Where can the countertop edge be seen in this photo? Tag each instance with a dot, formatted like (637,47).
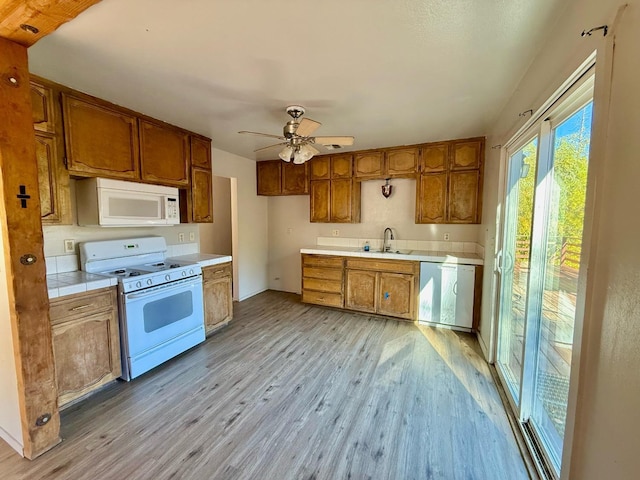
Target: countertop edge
(462,258)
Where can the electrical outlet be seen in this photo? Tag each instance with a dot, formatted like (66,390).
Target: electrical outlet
(335,233)
(181,237)
(446,237)
(69,246)
(192,236)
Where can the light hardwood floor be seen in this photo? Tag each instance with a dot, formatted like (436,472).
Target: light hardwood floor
(292,391)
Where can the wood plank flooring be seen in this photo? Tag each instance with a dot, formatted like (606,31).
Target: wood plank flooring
(292,391)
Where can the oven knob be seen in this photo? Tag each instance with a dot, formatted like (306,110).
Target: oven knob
(184,274)
(138,284)
(149,282)
(167,277)
(191,271)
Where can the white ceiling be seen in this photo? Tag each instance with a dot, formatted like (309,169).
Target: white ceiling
(388,72)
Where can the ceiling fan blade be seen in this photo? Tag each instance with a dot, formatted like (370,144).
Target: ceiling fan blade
(315,151)
(271,146)
(263,134)
(307,127)
(334,140)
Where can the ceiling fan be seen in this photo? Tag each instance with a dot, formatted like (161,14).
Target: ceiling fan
(297,139)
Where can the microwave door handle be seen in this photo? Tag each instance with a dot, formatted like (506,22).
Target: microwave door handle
(134,296)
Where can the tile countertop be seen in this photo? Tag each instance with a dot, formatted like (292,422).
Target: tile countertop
(415,255)
(68,283)
(204,259)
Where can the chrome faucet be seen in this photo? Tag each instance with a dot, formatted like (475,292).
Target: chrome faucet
(386,247)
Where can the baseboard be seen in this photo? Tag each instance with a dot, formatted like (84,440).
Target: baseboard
(253,294)
(13,443)
(483,347)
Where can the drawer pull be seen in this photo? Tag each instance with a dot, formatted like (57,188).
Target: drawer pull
(80,307)
(219,271)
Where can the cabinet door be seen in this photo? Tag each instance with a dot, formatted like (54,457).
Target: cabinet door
(466,154)
(201,193)
(42,104)
(320,200)
(87,354)
(361,288)
(200,152)
(295,179)
(431,198)
(100,140)
(463,196)
(320,168)
(369,164)
(217,303)
(402,161)
(164,154)
(53,182)
(434,157)
(341,198)
(269,177)
(396,296)
(341,166)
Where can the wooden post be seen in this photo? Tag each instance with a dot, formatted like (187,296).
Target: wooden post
(24,256)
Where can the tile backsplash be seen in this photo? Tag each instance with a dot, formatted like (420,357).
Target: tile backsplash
(428,245)
(71,263)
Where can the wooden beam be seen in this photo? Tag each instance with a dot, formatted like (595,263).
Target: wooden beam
(24,256)
(27,21)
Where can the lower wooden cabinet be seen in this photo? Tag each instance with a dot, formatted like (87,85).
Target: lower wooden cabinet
(218,298)
(382,286)
(322,280)
(86,342)
(385,287)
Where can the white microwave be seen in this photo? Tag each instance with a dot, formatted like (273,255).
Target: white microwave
(116,203)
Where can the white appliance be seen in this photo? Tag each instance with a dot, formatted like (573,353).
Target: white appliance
(160,303)
(116,203)
(446,294)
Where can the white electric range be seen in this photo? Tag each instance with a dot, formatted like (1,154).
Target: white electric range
(160,303)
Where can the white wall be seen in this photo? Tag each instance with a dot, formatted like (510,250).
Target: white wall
(217,238)
(251,253)
(397,212)
(10,426)
(604,442)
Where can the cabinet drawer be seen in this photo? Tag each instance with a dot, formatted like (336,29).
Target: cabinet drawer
(383,265)
(322,273)
(322,298)
(82,304)
(323,261)
(216,271)
(334,286)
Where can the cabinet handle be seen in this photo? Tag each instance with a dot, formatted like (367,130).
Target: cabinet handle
(219,271)
(80,307)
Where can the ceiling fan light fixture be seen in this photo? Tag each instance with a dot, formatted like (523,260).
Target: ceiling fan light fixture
(286,153)
(302,154)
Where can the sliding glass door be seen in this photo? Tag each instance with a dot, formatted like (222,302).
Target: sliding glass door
(539,266)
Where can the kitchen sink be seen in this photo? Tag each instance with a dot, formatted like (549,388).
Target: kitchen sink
(402,252)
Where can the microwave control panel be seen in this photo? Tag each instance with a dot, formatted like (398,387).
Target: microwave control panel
(172,209)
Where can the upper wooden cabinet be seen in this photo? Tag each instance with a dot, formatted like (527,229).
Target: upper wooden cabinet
(402,161)
(164,154)
(275,177)
(196,202)
(466,154)
(335,200)
(53,178)
(200,152)
(53,182)
(320,168)
(341,166)
(100,139)
(386,163)
(44,108)
(449,188)
(435,157)
(369,164)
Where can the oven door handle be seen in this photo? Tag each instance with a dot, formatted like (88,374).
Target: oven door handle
(156,291)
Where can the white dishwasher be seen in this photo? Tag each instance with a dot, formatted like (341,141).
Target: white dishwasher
(446,294)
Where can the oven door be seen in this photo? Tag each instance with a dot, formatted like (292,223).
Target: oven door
(158,315)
